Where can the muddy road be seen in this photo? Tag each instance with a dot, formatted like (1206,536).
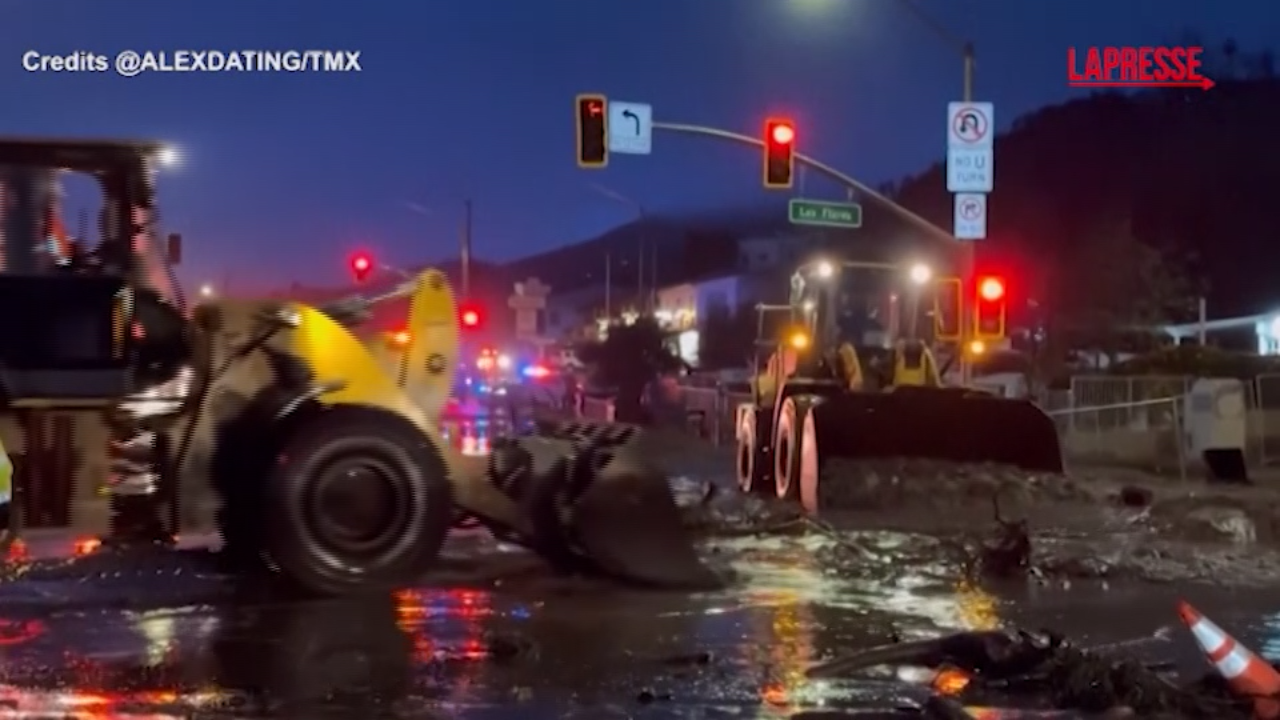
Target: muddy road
(537,647)
(493,635)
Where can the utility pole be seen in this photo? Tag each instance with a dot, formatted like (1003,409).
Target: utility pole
(640,293)
(465,253)
(608,286)
(653,274)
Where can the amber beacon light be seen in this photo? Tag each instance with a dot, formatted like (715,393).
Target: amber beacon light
(592,131)
(779,153)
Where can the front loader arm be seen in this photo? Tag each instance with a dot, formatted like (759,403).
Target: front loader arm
(247,386)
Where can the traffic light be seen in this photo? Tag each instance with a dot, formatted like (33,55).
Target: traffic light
(361,266)
(948,310)
(779,153)
(470,316)
(593,129)
(989,308)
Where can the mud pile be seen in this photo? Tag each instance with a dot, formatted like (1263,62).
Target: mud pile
(898,483)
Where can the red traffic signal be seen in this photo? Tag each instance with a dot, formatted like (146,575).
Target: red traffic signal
(592,127)
(471,317)
(361,266)
(779,153)
(990,308)
(991,289)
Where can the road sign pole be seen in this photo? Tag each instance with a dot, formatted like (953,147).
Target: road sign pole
(970,177)
(968,255)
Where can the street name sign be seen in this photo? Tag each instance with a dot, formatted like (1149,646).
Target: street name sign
(970,147)
(971,216)
(630,128)
(828,214)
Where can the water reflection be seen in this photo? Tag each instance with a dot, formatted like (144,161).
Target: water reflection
(347,653)
(780,644)
(446,631)
(296,657)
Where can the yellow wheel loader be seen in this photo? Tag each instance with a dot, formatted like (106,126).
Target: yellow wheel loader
(820,398)
(329,469)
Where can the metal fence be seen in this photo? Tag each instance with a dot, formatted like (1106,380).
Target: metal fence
(1121,402)
(1264,419)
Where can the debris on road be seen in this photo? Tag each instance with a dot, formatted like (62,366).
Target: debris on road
(1042,670)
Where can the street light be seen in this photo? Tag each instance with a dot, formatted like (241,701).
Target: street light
(206,290)
(920,275)
(169,156)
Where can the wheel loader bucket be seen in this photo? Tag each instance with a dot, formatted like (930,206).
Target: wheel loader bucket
(627,523)
(606,508)
(938,424)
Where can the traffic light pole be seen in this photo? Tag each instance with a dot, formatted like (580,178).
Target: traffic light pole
(968,261)
(968,264)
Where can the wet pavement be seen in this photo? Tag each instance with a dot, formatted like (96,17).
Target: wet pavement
(537,647)
(493,635)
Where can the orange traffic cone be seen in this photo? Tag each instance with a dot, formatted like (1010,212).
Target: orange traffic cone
(1247,674)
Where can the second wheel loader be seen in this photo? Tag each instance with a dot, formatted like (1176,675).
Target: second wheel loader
(822,398)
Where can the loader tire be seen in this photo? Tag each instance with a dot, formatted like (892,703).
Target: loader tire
(753,461)
(811,466)
(786,446)
(244,453)
(358,500)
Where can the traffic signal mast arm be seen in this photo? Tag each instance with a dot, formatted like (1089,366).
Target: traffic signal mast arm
(834,174)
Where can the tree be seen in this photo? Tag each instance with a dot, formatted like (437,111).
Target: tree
(1115,289)
(631,357)
(726,338)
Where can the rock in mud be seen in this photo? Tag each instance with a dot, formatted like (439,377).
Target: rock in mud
(1211,520)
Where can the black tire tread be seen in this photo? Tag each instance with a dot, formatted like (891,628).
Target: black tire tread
(398,440)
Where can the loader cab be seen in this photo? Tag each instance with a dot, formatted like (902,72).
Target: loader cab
(79,349)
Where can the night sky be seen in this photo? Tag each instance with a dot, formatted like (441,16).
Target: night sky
(283,175)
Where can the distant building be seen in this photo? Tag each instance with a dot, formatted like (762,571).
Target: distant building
(681,308)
